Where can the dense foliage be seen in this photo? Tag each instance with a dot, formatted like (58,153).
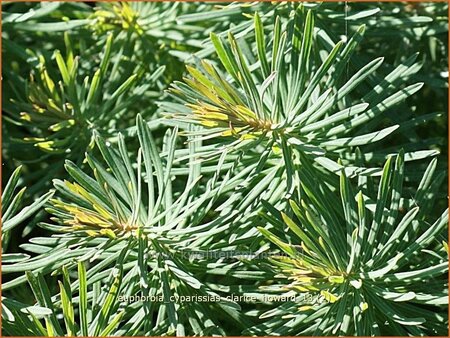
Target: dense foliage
(266,168)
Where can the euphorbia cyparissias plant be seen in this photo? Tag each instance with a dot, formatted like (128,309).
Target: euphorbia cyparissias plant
(276,98)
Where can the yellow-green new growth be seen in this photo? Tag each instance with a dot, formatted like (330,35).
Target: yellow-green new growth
(222,106)
(121,15)
(94,221)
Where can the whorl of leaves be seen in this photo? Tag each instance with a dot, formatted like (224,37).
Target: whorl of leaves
(224,169)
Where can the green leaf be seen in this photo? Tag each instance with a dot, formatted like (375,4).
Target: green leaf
(83,299)
(224,56)
(261,45)
(26,212)
(277,241)
(360,140)
(67,307)
(8,192)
